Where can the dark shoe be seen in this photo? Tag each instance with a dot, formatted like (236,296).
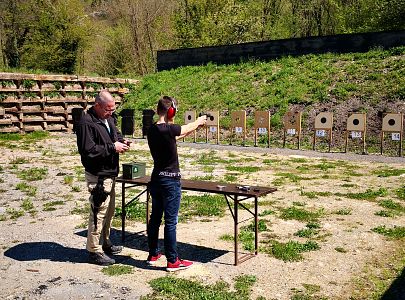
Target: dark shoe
(113,249)
(179,264)
(100,259)
(151,261)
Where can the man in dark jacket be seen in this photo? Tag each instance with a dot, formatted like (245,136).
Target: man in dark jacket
(99,143)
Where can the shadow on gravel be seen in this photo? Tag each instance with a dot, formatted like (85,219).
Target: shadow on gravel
(397,289)
(139,241)
(46,250)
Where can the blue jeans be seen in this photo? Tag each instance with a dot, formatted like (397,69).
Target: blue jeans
(166,195)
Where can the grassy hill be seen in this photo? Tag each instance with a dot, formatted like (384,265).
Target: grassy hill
(371,82)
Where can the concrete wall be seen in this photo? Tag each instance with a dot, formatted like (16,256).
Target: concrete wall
(360,42)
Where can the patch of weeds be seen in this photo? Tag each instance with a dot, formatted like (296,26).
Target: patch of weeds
(27,189)
(297,203)
(207,177)
(82,225)
(310,195)
(51,205)
(343,211)
(400,193)
(27,205)
(33,174)
(298,160)
(243,169)
(271,161)
(391,205)
(68,179)
(396,232)
(14,213)
(170,287)
(226,237)
(116,270)
(267,212)
(76,188)
(300,214)
(18,161)
(369,194)
(324,166)
(310,231)
(135,211)
(389,172)
(230,178)
(208,169)
(349,185)
(202,206)
(210,158)
(387,213)
(290,251)
(3,217)
(340,250)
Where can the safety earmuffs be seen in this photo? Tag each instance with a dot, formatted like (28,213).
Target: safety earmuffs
(171,112)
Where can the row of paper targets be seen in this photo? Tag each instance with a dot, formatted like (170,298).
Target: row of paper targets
(292,121)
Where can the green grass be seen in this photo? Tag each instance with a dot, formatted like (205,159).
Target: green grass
(33,174)
(369,194)
(14,213)
(118,269)
(400,193)
(27,205)
(300,214)
(243,169)
(202,206)
(343,211)
(50,206)
(136,211)
(389,172)
(290,251)
(178,288)
(396,232)
(18,161)
(68,179)
(26,188)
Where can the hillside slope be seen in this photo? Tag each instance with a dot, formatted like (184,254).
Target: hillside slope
(371,82)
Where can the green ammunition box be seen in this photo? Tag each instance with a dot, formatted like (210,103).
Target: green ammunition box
(133,170)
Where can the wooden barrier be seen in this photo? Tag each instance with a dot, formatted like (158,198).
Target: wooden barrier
(30,102)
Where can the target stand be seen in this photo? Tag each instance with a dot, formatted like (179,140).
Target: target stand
(238,125)
(323,128)
(356,127)
(190,117)
(262,125)
(292,126)
(212,125)
(394,124)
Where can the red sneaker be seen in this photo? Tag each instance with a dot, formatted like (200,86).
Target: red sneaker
(153,259)
(179,264)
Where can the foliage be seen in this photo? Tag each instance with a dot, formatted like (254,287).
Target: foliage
(117,270)
(178,288)
(33,174)
(290,251)
(396,232)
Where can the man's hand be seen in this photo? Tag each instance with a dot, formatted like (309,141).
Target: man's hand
(120,147)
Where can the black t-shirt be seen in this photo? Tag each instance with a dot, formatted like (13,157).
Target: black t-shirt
(163,147)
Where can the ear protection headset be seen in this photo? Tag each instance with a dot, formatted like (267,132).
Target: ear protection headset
(171,112)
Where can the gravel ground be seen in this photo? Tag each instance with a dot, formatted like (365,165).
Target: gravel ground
(43,256)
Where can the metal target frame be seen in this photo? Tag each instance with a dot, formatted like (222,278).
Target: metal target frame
(262,120)
(323,121)
(292,121)
(189,117)
(212,122)
(356,122)
(393,123)
(238,120)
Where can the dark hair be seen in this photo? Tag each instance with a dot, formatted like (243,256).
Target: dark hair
(164,104)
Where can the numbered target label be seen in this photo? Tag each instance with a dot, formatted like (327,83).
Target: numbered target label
(396,136)
(291,131)
(262,130)
(356,135)
(320,133)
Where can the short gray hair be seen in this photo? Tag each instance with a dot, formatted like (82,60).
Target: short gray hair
(104,96)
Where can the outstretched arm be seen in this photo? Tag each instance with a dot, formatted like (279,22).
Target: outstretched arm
(190,127)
